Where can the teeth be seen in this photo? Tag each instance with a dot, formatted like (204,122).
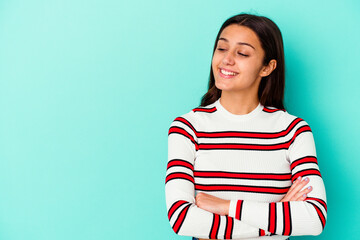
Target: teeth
(227,73)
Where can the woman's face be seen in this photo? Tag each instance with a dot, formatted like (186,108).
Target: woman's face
(238,52)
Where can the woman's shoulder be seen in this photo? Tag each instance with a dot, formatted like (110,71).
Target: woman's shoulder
(208,109)
(284,116)
(195,112)
(194,115)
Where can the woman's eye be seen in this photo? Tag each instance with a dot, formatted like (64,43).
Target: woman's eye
(243,54)
(222,49)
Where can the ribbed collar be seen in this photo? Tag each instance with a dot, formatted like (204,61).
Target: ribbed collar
(238,117)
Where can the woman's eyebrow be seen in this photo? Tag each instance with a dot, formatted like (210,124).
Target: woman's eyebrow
(240,43)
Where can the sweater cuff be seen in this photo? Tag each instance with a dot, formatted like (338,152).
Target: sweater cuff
(257,213)
(235,209)
(232,208)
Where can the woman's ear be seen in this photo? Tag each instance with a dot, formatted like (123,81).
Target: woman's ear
(268,68)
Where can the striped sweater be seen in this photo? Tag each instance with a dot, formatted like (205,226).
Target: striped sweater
(249,159)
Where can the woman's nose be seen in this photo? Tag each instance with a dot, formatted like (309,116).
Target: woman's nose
(228,59)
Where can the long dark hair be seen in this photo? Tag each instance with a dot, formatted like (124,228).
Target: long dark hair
(271,88)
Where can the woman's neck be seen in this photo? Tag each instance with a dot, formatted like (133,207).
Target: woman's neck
(238,104)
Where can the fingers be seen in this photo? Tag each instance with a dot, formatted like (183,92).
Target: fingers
(298,184)
(294,184)
(301,196)
(199,196)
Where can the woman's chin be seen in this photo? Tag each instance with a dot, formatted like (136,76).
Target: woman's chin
(223,86)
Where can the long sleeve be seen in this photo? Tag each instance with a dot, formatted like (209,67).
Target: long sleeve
(185,217)
(292,218)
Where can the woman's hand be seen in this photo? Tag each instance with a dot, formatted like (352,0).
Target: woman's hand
(212,204)
(221,206)
(294,193)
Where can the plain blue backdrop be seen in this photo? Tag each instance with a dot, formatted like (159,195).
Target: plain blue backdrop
(88,90)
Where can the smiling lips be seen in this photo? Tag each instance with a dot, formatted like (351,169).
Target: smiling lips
(225,73)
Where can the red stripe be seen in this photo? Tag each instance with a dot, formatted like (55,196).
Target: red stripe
(286,218)
(240,134)
(229,227)
(241,188)
(322,202)
(273,110)
(213,109)
(180,176)
(186,122)
(249,134)
(304,173)
(238,209)
(183,132)
(308,159)
(215,226)
(174,207)
(272,218)
(180,163)
(298,131)
(180,219)
(242,175)
(278,146)
(262,232)
(320,214)
(244,146)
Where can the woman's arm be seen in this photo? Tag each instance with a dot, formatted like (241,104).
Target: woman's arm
(185,217)
(291,217)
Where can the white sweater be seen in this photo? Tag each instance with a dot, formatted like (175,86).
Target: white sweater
(250,159)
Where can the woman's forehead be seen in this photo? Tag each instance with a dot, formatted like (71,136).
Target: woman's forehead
(241,35)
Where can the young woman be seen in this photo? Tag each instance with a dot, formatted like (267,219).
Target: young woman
(238,164)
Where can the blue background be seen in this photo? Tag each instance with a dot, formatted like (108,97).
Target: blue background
(88,90)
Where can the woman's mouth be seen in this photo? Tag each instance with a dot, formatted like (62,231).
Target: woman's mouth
(226,73)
